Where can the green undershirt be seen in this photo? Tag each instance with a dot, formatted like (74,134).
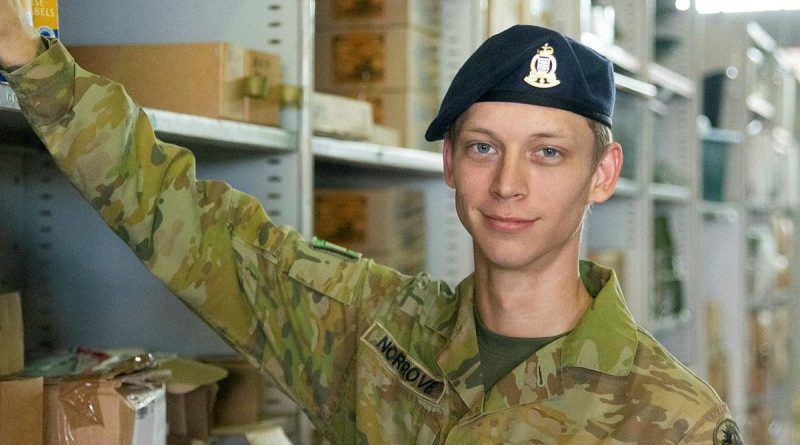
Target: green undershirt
(501,354)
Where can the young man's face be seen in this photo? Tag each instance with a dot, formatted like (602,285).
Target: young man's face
(523,177)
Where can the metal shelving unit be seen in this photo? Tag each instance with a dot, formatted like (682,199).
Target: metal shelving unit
(762,193)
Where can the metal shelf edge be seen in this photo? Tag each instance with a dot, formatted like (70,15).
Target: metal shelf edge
(671,80)
(670,192)
(221,132)
(634,86)
(615,54)
(369,154)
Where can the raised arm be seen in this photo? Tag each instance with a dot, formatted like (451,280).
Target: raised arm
(293,308)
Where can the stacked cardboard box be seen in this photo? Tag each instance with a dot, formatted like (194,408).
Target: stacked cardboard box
(385,52)
(386,225)
(218,80)
(22,396)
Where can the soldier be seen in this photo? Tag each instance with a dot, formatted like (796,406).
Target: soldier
(533,347)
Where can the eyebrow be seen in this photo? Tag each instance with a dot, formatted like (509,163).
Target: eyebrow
(540,134)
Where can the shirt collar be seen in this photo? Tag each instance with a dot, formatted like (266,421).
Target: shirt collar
(605,338)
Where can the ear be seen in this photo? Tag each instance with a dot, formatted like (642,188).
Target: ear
(604,179)
(447,159)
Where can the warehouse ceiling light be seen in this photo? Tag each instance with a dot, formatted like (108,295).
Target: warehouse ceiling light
(714,6)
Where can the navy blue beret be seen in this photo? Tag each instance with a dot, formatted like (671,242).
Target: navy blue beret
(531,65)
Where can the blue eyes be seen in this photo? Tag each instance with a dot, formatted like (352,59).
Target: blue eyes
(483,148)
(549,152)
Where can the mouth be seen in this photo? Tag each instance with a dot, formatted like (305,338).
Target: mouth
(508,224)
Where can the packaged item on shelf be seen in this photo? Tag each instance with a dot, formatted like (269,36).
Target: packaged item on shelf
(341,117)
(240,393)
(21,405)
(204,79)
(420,14)
(409,112)
(12,352)
(761,349)
(44,14)
(261,88)
(783,232)
(667,278)
(717,355)
(383,135)
(376,57)
(191,394)
(383,224)
(122,406)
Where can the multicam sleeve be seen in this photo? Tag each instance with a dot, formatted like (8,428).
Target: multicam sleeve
(716,427)
(289,308)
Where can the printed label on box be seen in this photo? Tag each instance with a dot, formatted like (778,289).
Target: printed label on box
(359,57)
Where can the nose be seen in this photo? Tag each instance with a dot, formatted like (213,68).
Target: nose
(510,180)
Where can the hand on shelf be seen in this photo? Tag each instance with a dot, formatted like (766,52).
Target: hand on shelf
(18,40)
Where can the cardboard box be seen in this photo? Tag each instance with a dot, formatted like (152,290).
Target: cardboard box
(191,394)
(12,352)
(21,405)
(406,111)
(200,79)
(240,394)
(386,225)
(424,15)
(341,117)
(189,414)
(94,410)
(375,57)
(205,79)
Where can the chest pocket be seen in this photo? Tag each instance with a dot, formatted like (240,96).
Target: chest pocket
(326,272)
(399,400)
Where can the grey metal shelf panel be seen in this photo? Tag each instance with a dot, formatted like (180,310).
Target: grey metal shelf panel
(615,54)
(375,155)
(720,211)
(632,85)
(708,133)
(672,81)
(230,134)
(760,106)
(670,193)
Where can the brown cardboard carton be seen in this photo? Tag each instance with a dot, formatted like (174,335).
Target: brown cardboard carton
(21,411)
(94,410)
(263,70)
(420,14)
(12,351)
(240,394)
(203,79)
(189,414)
(191,394)
(376,57)
(386,225)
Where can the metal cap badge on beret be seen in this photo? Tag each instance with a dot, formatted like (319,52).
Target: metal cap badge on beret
(531,65)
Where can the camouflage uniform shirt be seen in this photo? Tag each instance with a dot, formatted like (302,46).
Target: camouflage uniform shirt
(372,356)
